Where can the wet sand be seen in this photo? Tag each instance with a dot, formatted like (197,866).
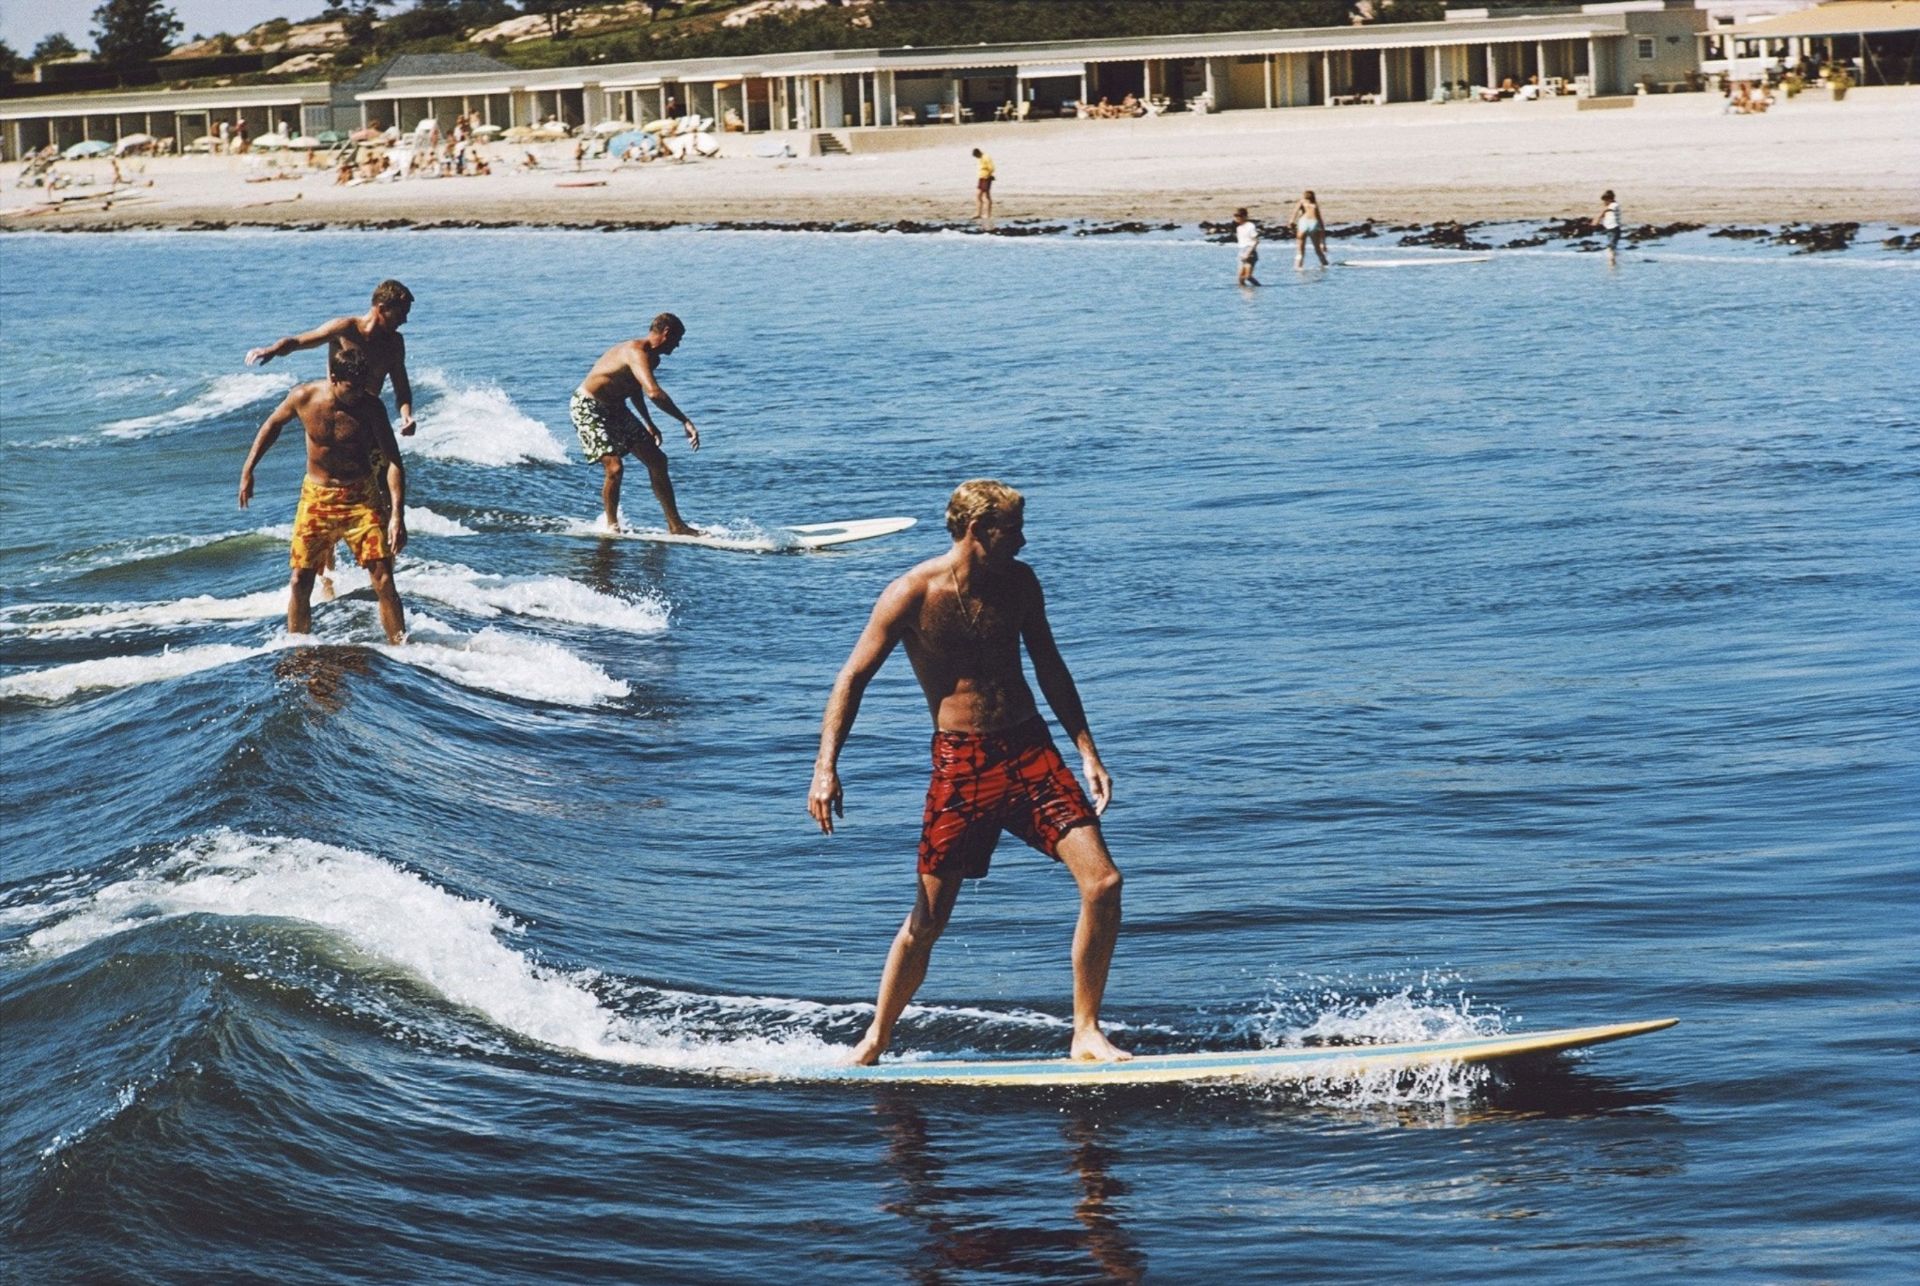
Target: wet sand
(1671,158)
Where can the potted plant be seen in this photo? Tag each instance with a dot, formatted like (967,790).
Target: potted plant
(1793,82)
(1840,82)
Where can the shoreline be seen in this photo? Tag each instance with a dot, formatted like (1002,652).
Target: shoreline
(1673,159)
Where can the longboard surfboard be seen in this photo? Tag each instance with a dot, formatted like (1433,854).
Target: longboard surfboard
(813,535)
(1422,262)
(1307,1063)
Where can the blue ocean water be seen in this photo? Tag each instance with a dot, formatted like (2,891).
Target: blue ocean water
(1477,648)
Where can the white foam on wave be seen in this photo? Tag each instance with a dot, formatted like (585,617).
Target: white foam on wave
(220,395)
(509,665)
(59,682)
(459,947)
(553,598)
(478,423)
(1431,1008)
(425,522)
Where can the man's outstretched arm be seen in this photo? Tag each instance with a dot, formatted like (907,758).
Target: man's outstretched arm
(396,481)
(294,343)
(269,434)
(643,372)
(884,629)
(402,386)
(1056,684)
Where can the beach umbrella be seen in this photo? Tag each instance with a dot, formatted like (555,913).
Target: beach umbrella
(612,127)
(269,143)
(88,147)
(132,142)
(303,143)
(617,145)
(333,138)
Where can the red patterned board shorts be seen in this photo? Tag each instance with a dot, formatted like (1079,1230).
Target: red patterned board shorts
(356,513)
(987,782)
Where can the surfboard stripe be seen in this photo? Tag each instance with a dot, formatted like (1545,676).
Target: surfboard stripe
(1295,1063)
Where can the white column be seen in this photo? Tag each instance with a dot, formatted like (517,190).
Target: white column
(1326,79)
(1267,71)
(1386,85)
(1083,86)
(1493,79)
(1593,65)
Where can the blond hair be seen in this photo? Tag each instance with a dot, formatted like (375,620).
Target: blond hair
(980,500)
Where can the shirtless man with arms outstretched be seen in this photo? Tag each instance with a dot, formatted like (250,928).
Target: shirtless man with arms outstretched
(963,617)
(340,499)
(375,333)
(608,430)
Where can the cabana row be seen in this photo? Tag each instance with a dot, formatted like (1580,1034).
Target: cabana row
(183,114)
(1596,48)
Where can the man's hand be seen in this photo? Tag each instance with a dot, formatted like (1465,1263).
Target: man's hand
(397,532)
(1098,782)
(259,356)
(825,800)
(406,425)
(693,434)
(246,487)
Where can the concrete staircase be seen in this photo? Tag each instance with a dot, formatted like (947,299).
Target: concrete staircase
(827,143)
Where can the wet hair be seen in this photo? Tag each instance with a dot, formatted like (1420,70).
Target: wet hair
(392,294)
(1607,195)
(1308,194)
(1241,213)
(976,151)
(981,500)
(669,325)
(348,366)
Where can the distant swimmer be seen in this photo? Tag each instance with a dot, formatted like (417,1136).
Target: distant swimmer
(1246,235)
(1608,221)
(1308,225)
(963,617)
(376,333)
(340,498)
(983,189)
(608,430)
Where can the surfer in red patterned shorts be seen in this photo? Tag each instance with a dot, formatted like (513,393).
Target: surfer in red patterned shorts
(339,499)
(963,617)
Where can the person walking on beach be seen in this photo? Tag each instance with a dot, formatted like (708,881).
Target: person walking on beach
(1308,224)
(1246,234)
(983,189)
(608,430)
(963,617)
(1609,224)
(346,427)
(376,333)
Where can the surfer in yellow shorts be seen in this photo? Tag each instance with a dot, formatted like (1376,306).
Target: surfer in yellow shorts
(340,498)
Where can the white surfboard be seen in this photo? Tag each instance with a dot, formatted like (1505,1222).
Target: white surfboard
(1307,1063)
(1424,261)
(815,535)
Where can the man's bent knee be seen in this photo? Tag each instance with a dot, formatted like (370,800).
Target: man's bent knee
(380,572)
(614,466)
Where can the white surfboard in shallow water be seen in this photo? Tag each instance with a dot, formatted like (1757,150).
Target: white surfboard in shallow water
(1315,1062)
(751,540)
(1432,261)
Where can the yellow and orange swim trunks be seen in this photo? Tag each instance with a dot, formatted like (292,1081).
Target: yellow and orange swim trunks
(355,513)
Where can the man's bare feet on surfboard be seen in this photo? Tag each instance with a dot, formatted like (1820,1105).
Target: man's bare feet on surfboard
(1092,1046)
(867,1052)
(684,529)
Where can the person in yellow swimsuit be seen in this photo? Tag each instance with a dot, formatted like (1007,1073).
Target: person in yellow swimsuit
(340,498)
(983,190)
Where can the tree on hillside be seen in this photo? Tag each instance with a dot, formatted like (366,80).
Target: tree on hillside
(54,45)
(10,62)
(129,34)
(556,12)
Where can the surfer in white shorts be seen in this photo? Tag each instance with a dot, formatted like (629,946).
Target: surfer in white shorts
(1308,224)
(608,430)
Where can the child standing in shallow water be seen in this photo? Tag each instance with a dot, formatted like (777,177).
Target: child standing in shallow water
(1246,234)
(1308,223)
(1609,225)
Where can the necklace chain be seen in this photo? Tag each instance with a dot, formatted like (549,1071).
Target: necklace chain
(970,614)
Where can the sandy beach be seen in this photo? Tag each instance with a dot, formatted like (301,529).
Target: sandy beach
(1672,158)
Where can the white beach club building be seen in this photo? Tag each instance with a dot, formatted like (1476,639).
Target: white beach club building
(1594,49)
(183,115)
